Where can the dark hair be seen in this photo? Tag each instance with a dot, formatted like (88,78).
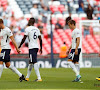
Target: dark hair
(64,42)
(67,19)
(31,21)
(72,22)
(1,21)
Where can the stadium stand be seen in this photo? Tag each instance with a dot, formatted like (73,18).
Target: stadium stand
(60,10)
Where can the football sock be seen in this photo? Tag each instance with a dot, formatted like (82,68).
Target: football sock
(15,70)
(1,69)
(36,68)
(77,67)
(73,67)
(29,70)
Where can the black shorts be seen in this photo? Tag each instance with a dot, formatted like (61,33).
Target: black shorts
(33,55)
(74,57)
(5,55)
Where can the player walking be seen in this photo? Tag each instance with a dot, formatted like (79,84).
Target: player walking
(33,34)
(5,34)
(73,57)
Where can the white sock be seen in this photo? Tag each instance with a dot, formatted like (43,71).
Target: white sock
(1,69)
(15,70)
(77,67)
(72,65)
(36,68)
(29,70)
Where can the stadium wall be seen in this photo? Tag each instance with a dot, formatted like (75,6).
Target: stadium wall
(89,61)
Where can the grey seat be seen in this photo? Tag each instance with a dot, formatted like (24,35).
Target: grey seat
(25,5)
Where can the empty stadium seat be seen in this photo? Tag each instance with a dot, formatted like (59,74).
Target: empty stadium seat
(54,20)
(92,43)
(25,5)
(53,8)
(24,50)
(61,8)
(86,46)
(97,39)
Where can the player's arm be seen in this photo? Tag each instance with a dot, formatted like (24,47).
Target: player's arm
(40,39)
(14,43)
(23,40)
(77,44)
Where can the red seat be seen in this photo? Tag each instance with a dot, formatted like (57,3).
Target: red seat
(97,39)
(47,47)
(59,41)
(24,50)
(54,20)
(86,46)
(12,51)
(61,8)
(22,33)
(44,52)
(76,19)
(54,8)
(55,47)
(92,43)
(45,33)
(62,22)
(83,50)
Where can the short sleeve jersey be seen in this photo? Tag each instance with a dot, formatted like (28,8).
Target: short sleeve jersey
(32,33)
(76,33)
(5,40)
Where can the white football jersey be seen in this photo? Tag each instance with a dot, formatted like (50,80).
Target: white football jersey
(4,35)
(32,32)
(76,33)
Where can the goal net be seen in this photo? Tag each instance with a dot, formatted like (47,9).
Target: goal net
(90,41)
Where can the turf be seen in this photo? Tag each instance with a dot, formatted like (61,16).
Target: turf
(52,79)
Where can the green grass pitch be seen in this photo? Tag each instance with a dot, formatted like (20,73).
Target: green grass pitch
(53,79)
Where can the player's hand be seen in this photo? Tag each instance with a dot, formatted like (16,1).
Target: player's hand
(18,51)
(40,51)
(76,52)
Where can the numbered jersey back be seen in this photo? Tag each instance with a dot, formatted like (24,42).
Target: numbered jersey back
(32,33)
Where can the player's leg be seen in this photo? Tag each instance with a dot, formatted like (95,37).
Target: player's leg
(30,66)
(1,61)
(33,57)
(70,62)
(76,62)
(77,66)
(8,65)
(11,67)
(1,68)
(78,69)
(72,65)
(36,68)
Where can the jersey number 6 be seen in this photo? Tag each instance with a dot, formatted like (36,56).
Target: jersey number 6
(35,36)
